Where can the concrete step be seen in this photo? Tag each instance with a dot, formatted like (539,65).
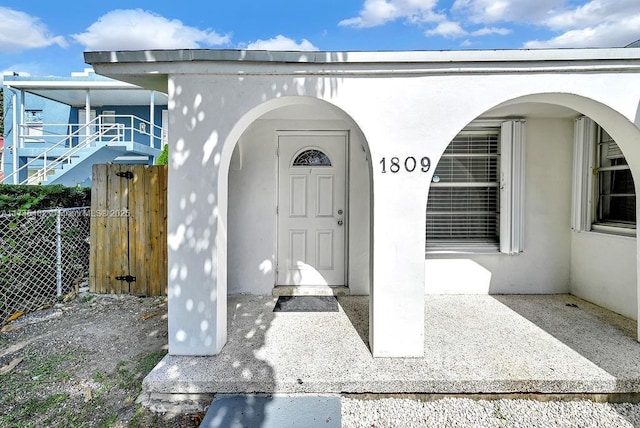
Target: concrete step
(274,411)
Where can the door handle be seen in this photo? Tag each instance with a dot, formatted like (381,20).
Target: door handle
(340,222)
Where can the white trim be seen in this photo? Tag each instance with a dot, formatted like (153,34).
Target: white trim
(609,235)
(347,140)
(68,84)
(614,230)
(152,120)
(512,189)
(583,157)
(394,59)
(584,187)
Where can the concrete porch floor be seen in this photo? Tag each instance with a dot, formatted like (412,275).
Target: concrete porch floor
(549,344)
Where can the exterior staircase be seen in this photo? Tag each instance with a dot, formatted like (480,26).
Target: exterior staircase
(70,159)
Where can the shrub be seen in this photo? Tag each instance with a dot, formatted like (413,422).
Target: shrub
(31,198)
(163,159)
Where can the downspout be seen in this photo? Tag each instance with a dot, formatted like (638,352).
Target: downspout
(152,107)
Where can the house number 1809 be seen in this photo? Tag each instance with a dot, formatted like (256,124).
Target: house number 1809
(410,164)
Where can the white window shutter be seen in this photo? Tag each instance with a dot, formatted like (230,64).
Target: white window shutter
(583,158)
(512,191)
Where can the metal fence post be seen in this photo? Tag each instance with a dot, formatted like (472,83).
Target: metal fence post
(58,255)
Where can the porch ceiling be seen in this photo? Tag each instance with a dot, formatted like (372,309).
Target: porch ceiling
(73,93)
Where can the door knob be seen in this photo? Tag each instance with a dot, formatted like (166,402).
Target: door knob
(340,222)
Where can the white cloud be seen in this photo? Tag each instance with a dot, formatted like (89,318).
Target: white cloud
(447,29)
(571,23)
(581,23)
(596,23)
(379,12)
(593,13)
(492,30)
(453,30)
(135,29)
(20,31)
(608,34)
(489,11)
(282,43)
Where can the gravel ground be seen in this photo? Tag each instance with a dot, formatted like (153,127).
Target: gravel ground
(81,364)
(463,412)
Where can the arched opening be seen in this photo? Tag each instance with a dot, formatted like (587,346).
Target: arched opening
(252,181)
(553,207)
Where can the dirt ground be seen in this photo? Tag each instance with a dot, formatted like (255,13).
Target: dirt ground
(81,364)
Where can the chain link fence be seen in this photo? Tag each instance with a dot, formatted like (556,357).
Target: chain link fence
(43,255)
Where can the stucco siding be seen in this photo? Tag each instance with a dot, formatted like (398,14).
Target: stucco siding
(603,271)
(252,204)
(544,265)
(401,113)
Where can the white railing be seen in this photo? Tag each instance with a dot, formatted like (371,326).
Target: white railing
(100,131)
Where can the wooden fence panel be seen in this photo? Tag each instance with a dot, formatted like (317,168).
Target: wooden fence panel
(129,229)
(97,231)
(138,232)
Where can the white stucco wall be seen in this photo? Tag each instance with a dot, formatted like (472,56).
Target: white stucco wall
(212,108)
(544,265)
(252,201)
(603,271)
(404,107)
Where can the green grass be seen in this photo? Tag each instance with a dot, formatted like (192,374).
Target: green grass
(20,392)
(86,299)
(31,408)
(109,421)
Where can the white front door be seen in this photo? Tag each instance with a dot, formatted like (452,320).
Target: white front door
(311,208)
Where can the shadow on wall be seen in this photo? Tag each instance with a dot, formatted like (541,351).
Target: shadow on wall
(204,126)
(197,231)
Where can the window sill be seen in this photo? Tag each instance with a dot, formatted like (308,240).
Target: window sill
(613,229)
(462,248)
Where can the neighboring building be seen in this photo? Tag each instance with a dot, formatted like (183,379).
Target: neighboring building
(51,139)
(394,175)
(1,158)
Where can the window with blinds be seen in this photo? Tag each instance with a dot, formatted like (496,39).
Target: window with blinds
(604,195)
(616,195)
(463,206)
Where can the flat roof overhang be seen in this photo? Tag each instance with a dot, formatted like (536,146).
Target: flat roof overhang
(102,92)
(151,68)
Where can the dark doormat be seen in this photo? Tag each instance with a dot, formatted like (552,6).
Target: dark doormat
(306,304)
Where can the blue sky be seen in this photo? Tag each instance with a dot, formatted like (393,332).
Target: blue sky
(48,38)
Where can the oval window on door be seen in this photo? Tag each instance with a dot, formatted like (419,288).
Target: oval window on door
(311,157)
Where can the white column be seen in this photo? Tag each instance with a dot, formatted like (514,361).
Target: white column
(16,131)
(196,231)
(87,116)
(397,298)
(21,117)
(152,103)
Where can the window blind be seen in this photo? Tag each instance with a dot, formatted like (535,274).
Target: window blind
(464,197)
(476,198)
